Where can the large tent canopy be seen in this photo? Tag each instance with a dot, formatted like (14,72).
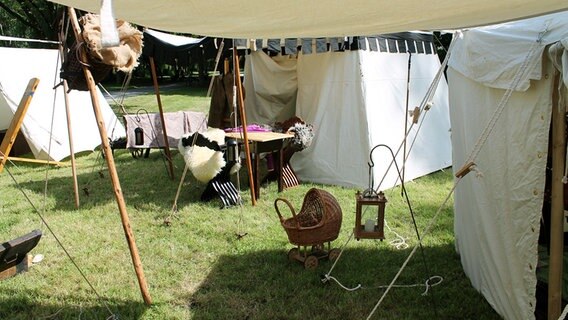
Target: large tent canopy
(298,18)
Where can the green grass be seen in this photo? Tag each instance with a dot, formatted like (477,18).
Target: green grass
(174,99)
(197,268)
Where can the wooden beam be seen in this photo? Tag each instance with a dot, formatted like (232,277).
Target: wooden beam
(556,254)
(111,167)
(241,103)
(16,123)
(55,163)
(163,120)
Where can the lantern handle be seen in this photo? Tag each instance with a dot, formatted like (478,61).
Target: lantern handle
(370,192)
(138,114)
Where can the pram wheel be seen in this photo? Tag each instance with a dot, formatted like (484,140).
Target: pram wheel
(293,254)
(333,254)
(311,262)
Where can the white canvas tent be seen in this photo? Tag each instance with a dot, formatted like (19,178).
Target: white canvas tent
(17,67)
(497,215)
(356,99)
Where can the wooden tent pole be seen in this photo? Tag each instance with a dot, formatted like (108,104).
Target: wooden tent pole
(406,117)
(71,148)
(68,115)
(166,142)
(111,167)
(557,207)
(16,122)
(243,117)
(217,58)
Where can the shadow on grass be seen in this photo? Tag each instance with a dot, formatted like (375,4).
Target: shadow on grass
(18,304)
(265,285)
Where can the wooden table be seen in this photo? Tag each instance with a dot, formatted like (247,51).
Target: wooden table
(262,142)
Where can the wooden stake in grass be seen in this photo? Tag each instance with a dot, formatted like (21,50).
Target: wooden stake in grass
(163,120)
(241,104)
(68,115)
(111,167)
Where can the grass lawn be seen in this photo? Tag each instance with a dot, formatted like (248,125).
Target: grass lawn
(196,267)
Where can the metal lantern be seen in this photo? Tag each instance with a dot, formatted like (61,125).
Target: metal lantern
(232,150)
(370,229)
(139,136)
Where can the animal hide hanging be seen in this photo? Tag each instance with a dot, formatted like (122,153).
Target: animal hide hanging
(205,159)
(123,57)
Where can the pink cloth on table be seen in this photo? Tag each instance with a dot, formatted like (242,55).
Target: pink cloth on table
(250,128)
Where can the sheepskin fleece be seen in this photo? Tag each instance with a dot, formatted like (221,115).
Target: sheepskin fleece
(204,163)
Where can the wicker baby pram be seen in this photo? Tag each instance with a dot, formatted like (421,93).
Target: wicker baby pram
(317,223)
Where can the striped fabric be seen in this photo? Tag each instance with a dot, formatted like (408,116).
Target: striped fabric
(289,178)
(403,42)
(227,192)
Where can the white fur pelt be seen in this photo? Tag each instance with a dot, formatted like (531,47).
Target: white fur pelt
(204,163)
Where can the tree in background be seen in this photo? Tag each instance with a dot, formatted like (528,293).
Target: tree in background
(35,19)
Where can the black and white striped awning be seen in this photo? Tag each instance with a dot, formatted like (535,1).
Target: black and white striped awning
(404,42)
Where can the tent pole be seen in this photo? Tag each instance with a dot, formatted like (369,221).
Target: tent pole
(243,117)
(68,115)
(166,142)
(406,116)
(557,206)
(16,123)
(217,58)
(111,167)
(71,149)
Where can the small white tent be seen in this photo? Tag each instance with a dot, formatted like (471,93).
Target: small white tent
(356,99)
(497,213)
(17,67)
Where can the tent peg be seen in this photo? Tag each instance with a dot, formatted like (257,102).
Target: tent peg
(465,169)
(415,114)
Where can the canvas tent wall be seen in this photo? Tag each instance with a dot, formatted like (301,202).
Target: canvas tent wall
(497,214)
(17,67)
(356,99)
